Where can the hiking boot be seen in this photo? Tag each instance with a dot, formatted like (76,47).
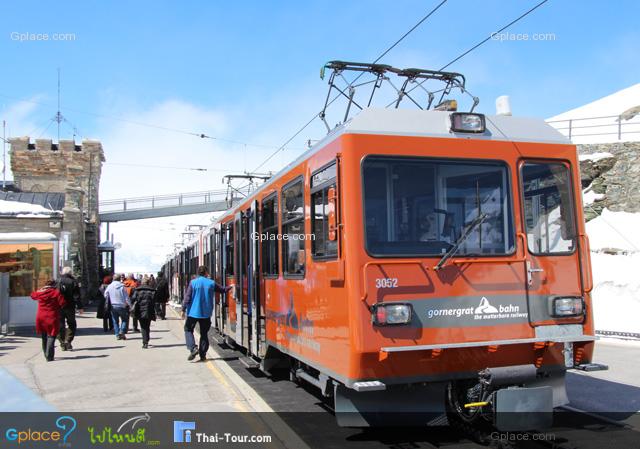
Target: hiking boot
(145,346)
(203,358)
(63,346)
(69,347)
(193,354)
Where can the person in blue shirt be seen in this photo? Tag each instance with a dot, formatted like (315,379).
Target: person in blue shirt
(197,307)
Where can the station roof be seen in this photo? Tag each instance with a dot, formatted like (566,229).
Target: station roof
(48,200)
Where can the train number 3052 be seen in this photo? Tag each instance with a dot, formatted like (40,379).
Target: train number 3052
(386,282)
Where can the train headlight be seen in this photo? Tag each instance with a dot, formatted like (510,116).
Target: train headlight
(393,313)
(567,306)
(465,122)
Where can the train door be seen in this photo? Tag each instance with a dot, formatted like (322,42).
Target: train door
(224,263)
(253,278)
(552,264)
(239,274)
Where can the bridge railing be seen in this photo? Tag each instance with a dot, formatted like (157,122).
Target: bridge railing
(162,201)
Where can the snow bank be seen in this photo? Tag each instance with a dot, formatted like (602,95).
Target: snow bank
(616,293)
(615,230)
(597,122)
(25,209)
(616,277)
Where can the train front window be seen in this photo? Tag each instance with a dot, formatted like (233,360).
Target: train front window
(420,207)
(548,209)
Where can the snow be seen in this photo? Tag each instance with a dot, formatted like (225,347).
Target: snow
(600,119)
(595,157)
(26,236)
(25,209)
(615,230)
(616,293)
(590,197)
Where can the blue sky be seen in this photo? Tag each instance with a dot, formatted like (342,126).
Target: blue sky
(249,70)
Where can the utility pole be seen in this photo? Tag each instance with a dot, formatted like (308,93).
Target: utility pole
(58,117)
(4,155)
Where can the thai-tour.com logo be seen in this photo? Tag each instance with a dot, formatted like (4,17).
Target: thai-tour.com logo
(130,431)
(58,434)
(182,431)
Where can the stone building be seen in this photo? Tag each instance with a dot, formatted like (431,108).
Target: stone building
(74,171)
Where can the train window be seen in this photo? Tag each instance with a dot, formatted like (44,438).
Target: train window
(423,207)
(548,208)
(321,246)
(270,241)
(293,237)
(228,248)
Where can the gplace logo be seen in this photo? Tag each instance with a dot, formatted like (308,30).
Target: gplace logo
(182,431)
(66,424)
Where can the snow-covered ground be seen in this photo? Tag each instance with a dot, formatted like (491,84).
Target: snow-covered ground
(616,277)
(600,121)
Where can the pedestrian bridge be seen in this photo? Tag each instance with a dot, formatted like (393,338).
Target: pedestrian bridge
(168,205)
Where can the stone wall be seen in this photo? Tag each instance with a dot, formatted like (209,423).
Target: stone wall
(75,171)
(617,178)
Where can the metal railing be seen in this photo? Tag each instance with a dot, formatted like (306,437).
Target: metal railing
(163,201)
(609,125)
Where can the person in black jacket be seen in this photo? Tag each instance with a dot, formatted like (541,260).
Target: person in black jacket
(103,310)
(162,295)
(70,289)
(144,309)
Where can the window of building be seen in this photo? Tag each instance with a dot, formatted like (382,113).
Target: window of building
(321,182)
(270,232)
(30,266)
(548,208)
(293,253)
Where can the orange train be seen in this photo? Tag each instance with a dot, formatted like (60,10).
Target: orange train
(415,261)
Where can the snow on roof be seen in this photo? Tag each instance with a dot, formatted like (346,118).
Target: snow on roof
(25,209)
(27,236)
(600,121)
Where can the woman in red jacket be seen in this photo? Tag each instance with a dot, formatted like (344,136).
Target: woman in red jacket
(50,303)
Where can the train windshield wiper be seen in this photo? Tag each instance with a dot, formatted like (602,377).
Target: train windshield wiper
(465,234)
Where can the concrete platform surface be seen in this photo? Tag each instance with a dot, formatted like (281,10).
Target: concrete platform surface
(102,373)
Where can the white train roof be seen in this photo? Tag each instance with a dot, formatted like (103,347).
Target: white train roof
(435,124)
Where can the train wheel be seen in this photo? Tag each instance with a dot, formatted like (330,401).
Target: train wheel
(467,420)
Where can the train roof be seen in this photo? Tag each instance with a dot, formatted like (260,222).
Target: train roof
(422,123)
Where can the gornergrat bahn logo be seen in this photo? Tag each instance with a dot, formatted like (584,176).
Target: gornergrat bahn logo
(467,311)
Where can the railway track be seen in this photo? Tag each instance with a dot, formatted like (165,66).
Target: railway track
(305,411)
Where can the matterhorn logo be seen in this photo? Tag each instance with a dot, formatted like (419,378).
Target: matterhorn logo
(485,307)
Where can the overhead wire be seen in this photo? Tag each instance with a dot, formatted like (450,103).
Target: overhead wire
(420,22)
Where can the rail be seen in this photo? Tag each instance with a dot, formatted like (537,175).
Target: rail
(604,126)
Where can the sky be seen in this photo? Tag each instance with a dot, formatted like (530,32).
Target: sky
(249,72)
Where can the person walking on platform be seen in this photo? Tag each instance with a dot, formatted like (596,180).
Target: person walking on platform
(144,309)
(50,305)
(197,306)
(152,281)
(130,284)
(119,303)
(104,310)
(162,296)
(69,287)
